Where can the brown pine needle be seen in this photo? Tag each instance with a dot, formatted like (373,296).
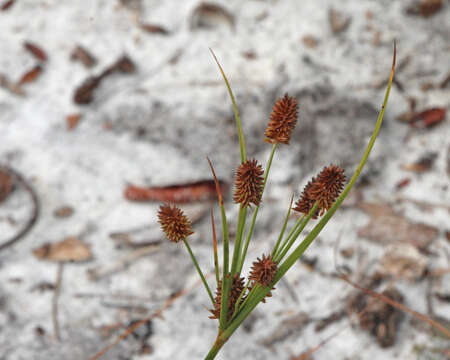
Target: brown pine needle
(219,191)
(216,258)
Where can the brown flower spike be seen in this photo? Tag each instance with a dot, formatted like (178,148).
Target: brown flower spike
(174,223)
(327,186)
(248,185)
(263,270)
(237,287)
(282,120)
(305,203)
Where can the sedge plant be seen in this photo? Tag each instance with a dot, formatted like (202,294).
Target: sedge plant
(235,296)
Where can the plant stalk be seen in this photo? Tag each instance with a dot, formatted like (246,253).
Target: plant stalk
(194,260)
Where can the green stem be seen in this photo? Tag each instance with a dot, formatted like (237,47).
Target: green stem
(288,237)
(236,111)
(216,258)
(226,285)
(277,244)
(238,241)
(255,213)
(215,348)
(194,260)
(296,234)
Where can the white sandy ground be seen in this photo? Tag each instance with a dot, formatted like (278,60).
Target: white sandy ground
(186,115)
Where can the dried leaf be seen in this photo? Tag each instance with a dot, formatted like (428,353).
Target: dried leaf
(208,15)
(84,94)
(386,227)
(423,164)
(72,121)
(338,21)
(428,118)
(70,249)
(179,193)
(13,87)
(7,4)
(36,51)
(84,56)
(6,185)
(402,261)
(250,55)
(155,29)
(310,41)
(30,75)
(63,211)
(348,252)
(124,65)
(425,8)
(403,183)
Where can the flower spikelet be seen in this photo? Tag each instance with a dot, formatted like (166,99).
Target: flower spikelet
(282,120)
(305,203)
(327,186)
(174,223)
(248,185)
(237,287)
(263,270)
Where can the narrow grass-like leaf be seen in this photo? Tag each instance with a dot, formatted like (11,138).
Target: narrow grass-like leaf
(216,257)
(236,111)
(194,260)
(296,234)
(226,280)
(283,229)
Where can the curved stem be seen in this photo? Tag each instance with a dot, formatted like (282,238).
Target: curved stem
(283,229)
(194,260)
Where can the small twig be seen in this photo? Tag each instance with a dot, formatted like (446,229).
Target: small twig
(121,264)
(56,293)
(136,325)
(35,210)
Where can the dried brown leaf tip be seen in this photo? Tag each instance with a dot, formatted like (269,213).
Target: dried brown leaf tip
(237,287)
(248,185)
(327,186)
(263,270)
(282,120)
(305,203)
(174,223)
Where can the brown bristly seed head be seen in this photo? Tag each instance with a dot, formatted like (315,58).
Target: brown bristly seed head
(282,120)
(248,184)
(237,287)
(174,223)
(327,186)
(263,270)
(305,203)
